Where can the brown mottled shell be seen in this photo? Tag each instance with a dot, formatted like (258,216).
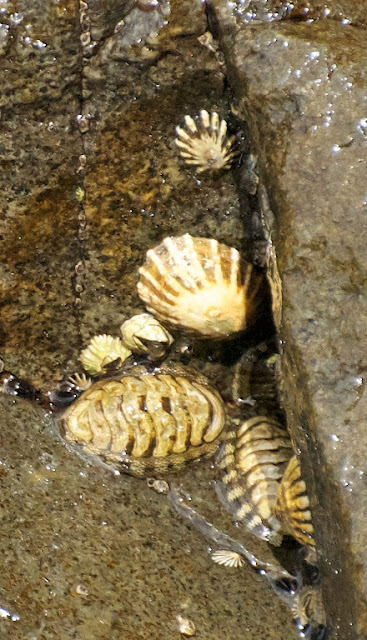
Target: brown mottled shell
(201,286)
(292,506)
(252,461)
(147,422)
(308,608)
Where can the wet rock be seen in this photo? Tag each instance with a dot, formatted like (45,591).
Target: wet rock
(302,88)
(89,555)
(40,55)
(262,11)
(91,180)
(40,144)
(137,191)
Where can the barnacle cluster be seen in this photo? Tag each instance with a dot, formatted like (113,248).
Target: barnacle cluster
(140,334)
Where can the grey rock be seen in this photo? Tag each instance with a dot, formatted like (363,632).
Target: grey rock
(302,89)
(90,180)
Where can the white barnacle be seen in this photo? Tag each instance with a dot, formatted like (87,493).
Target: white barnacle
(205,143)
(144,334)
(102,350)
(80,381)
(185,626)
(227,558)
(160,486)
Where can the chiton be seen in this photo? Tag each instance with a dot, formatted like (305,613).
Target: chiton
(147,421)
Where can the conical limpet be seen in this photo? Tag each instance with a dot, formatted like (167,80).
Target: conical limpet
(201,286)
(204,142)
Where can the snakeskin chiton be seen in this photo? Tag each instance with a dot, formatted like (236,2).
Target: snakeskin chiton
(147,421)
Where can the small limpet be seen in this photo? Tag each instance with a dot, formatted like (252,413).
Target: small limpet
(205,142)
(144,334)
(227,558)
(102,350)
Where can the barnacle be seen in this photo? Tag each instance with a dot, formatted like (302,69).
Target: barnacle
(308,608)
(200,285)
(80,381)
(144,334)
(102,350)
(185,626)
(205,142)
(160,486)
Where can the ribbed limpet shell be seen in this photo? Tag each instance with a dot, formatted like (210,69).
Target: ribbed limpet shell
(201,286)
(147,422)
(204,142)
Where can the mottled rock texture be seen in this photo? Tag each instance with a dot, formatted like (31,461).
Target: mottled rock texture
(39,97)
(90,180)
(302,88)
(89,555)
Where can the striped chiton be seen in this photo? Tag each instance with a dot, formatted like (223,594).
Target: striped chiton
(292,507)
(147,421)
(251,463)
(260,482)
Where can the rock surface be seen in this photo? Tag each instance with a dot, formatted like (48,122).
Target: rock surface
(302,88)
(89,555)
(90,180)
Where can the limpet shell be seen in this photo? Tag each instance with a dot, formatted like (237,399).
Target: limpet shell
(101,351)
(227,558)
(201,286)
(147,422)
(144,334)
(308,608)
(205,142)
(251,463)
(292,506)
